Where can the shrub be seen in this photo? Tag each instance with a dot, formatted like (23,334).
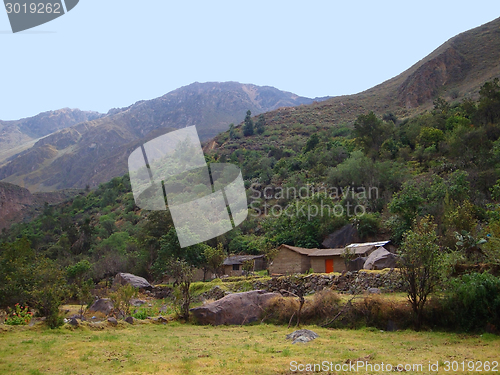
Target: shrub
(474,301)
(18,315)
(121,298)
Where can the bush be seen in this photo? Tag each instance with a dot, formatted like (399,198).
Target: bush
(474,302)
(121,299)
(18,315)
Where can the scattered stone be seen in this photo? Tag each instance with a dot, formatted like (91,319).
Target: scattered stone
(159,320)
(236,308)
(136,281)
(162,292)
(137,302)
(103,305)
(374,290)
(129,319)
(112,321)
(215,293)
(302,335)
(73,322)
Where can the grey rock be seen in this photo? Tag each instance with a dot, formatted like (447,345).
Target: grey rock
(73,322)
(129,319)
(234,309)
(112,321)
(103,305)
(137,302)
(302,335)
(136,281)
(374,290)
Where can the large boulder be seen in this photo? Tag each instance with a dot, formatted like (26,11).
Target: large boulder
(102,305)
(356,264)
(341,237)
(380,259)
(237,308)
(136,281)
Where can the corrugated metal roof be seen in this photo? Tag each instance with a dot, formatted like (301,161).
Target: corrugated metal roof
(376,244)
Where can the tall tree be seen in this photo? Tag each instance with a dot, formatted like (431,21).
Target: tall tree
(260,125)
(248,126)
(420,265)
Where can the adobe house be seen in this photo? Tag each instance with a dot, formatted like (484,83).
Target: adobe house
(291,259)
(233,265)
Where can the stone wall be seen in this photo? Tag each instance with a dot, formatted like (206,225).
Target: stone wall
(389,281)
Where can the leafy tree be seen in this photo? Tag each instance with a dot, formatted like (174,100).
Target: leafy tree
(248,266)
(488,110)
(121,299)
(214,257)
(49,291)
(390,117)
(370,133)
(260,125)
(441,106)
(171,249)
(80,282)
(420,264)
(16,275)
(183,273)
(232,134)
(248,126)
(311,143)
(430,137)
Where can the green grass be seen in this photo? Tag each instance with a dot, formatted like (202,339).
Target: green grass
(259,349)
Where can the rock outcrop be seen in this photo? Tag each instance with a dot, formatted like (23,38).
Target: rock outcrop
(234,309)
(14,201)
(102,305)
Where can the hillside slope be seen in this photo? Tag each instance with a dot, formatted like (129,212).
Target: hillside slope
(454,71)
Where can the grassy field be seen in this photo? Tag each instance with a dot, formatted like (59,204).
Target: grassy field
(176,348)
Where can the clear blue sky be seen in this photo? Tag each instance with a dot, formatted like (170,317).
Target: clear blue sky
(112,53)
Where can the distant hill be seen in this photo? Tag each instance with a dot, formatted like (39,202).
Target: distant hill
(454,71)
(18,204)
(94,151)
(18,135)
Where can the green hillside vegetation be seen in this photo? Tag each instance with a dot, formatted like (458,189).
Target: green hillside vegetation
(442,165)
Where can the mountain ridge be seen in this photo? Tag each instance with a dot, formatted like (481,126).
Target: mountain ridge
(72,157)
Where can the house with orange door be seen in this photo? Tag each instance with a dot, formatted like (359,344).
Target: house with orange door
(292,259)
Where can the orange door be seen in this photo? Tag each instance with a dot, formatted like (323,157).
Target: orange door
(328,265)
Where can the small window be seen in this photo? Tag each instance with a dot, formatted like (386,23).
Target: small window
(236,267)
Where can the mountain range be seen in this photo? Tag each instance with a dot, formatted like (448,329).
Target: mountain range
(95,150)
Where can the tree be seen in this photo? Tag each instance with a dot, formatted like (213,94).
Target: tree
(370,132)
(311,143)
(232,134)
(488,110)
(430,137)
(183,274)
(348,254)
(420,264)
(78,275)
(248,266)
(214,257)
(260,125)
(248,126)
